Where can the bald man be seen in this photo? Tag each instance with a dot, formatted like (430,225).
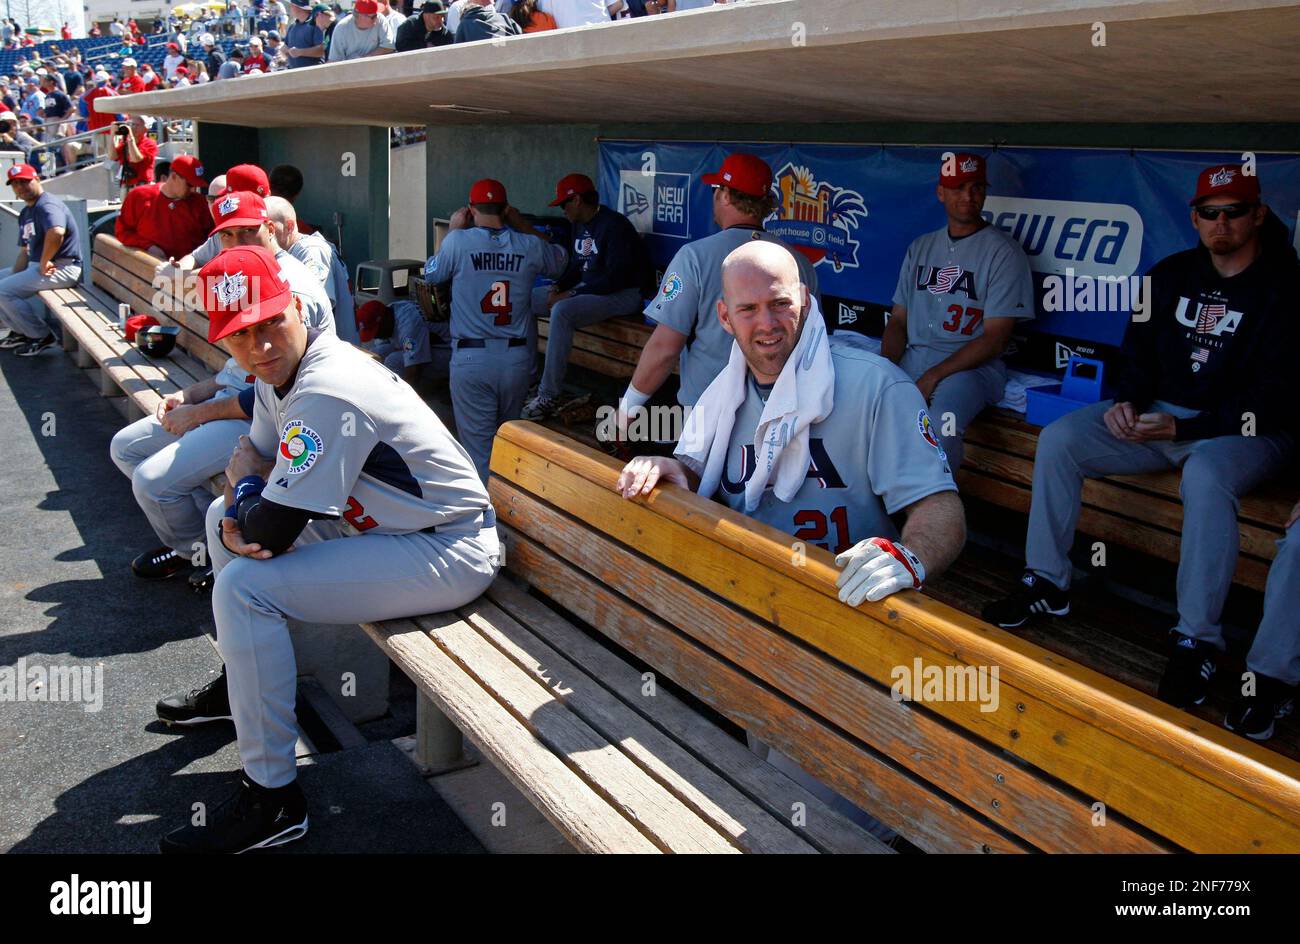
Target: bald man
(322,259)
(859,447)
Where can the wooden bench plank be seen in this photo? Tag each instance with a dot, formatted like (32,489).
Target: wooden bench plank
(664,819)
(1054,819)
(933,822)
(564,798)
(827,830)
(700,788)
(1137,755)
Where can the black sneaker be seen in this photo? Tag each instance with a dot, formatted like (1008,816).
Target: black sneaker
(1253,715)
(1034,594)
(201,580)
(1187,676)
(36,347)
(159,564)
(209,703)
(254,817)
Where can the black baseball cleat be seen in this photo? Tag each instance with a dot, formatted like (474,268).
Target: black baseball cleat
(209,703)
(254,817)
(1253,715)
(1034,594)
(201,580)
(1186,681)
(159,564)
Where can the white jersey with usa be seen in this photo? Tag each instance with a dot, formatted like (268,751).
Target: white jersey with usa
(874,455)
(352,440)
(492,273)
(687,302)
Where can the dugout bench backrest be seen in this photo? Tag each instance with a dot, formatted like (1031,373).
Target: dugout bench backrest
(1065,760)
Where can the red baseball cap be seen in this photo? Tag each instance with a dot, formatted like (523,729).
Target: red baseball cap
(1226,180)
(241,287)
(247,177)
(744,172)
(369,317)
(238,209)
(22,172)
(188,166)
(570,185)
(366,7)
(966,167)
(487,190)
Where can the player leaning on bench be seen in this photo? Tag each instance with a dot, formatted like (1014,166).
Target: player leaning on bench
(1208,387)
(49,256)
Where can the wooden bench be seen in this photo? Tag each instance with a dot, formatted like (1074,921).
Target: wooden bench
(1140,512)
(725,609)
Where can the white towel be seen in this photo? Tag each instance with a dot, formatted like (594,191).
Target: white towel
(802,395)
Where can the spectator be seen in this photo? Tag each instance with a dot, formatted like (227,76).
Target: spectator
(361,34)
(530,19)
(255,58)
(570,13)
(131,82)
(426,28)
(305,41)
(479,20)
(172,61)
(167,219)
(214,58)
(323,16)
(50,257)
(135,151)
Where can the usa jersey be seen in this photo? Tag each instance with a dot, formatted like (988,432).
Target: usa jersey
(492,272)
(875,454)
(351,440)
(949,286)
(687,302)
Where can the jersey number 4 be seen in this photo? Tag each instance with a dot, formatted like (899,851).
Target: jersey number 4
(812,527)
(973,317)
(357,517)
(497,303)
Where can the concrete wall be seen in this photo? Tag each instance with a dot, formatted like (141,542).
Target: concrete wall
(529,159)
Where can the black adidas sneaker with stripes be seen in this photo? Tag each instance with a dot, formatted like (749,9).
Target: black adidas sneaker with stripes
(1033,595)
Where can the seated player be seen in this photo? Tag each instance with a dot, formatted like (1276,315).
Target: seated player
(1207,388)
(347,467)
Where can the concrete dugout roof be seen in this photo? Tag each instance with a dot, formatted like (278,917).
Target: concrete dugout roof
(861,61)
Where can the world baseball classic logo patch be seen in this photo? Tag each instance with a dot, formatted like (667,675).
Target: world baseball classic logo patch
(301,446)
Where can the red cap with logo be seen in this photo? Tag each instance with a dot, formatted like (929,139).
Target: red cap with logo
(965,167)
(1227,180)
(238,209)
(487,190)
(571,185)
(248,177)
(188,166)
(22,172)
(370,317)
(366,7)
(241,287)
(744,172)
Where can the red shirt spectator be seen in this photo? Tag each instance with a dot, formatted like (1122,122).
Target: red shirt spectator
(169,220)
(141,171)
(97,120)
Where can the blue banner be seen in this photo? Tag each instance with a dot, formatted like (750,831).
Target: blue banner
(1090,220)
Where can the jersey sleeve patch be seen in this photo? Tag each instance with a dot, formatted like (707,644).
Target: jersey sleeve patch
(300,446)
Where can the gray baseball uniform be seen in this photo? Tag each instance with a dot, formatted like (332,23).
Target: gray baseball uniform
(687,302)
(492,274)
(321,258)
(873,456)
(357,448)
(949,286)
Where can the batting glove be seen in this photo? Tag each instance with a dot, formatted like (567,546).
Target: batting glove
(875,568)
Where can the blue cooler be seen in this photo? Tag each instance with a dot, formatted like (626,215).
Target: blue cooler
(1081,386)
